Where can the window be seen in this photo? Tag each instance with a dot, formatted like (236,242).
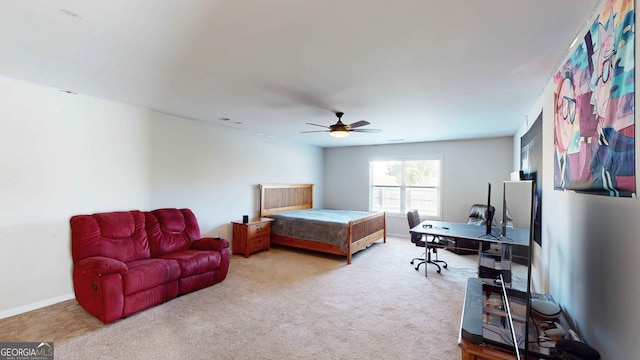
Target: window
(398,185)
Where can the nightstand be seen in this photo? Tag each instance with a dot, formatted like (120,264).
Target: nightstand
(252,236)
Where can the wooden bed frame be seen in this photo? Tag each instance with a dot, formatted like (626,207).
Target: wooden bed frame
(276,198)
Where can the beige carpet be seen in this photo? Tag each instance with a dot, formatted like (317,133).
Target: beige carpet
(280,304)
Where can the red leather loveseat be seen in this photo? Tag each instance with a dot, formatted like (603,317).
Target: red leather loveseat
(128,261)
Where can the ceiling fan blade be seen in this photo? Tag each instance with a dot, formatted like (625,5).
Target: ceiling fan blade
(366,130)
(358,124)
(326,127)
(314,131)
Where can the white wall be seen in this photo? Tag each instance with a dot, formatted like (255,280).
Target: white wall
(589,259)
(63,154)
(216,171)
(468,165)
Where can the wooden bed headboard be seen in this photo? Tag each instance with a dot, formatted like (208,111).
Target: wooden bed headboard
(275,198)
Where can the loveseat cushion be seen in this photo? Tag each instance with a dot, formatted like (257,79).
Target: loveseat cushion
(193,262)
(117,235)
(171,230)
(148,273)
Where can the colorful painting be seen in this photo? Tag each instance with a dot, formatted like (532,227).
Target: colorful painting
(594,123)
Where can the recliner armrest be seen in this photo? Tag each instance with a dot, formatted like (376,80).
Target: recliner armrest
(100,265)
(210,244)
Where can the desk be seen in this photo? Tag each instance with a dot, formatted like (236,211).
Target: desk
(457,230)
(487,267)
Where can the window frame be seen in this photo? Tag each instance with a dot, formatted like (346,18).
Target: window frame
(403,186)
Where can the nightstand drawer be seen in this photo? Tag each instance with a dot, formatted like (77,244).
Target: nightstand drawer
(258,229)
(259,243)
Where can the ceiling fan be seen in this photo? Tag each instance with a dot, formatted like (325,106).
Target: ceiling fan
(340,129)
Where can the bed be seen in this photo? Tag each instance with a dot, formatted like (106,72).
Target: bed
(297,224)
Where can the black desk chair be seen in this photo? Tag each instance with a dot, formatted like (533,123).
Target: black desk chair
(477,216)
(420,240)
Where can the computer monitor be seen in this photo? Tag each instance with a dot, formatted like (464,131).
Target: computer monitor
(490,212)
(506,216)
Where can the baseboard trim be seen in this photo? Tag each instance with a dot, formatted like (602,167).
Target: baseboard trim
(34,306)
(403,235)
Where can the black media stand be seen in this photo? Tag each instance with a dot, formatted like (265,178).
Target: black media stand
(485,328)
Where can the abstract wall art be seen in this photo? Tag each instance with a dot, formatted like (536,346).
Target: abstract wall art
(594,103)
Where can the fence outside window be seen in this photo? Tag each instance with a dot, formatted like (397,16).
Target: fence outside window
(398,185)
(387,198)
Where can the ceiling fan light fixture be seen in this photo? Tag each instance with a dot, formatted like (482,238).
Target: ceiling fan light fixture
(341,130)
(339,133)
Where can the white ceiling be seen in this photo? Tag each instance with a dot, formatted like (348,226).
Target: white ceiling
(420,70)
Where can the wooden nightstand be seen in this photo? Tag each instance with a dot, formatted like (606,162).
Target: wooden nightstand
(252,236)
